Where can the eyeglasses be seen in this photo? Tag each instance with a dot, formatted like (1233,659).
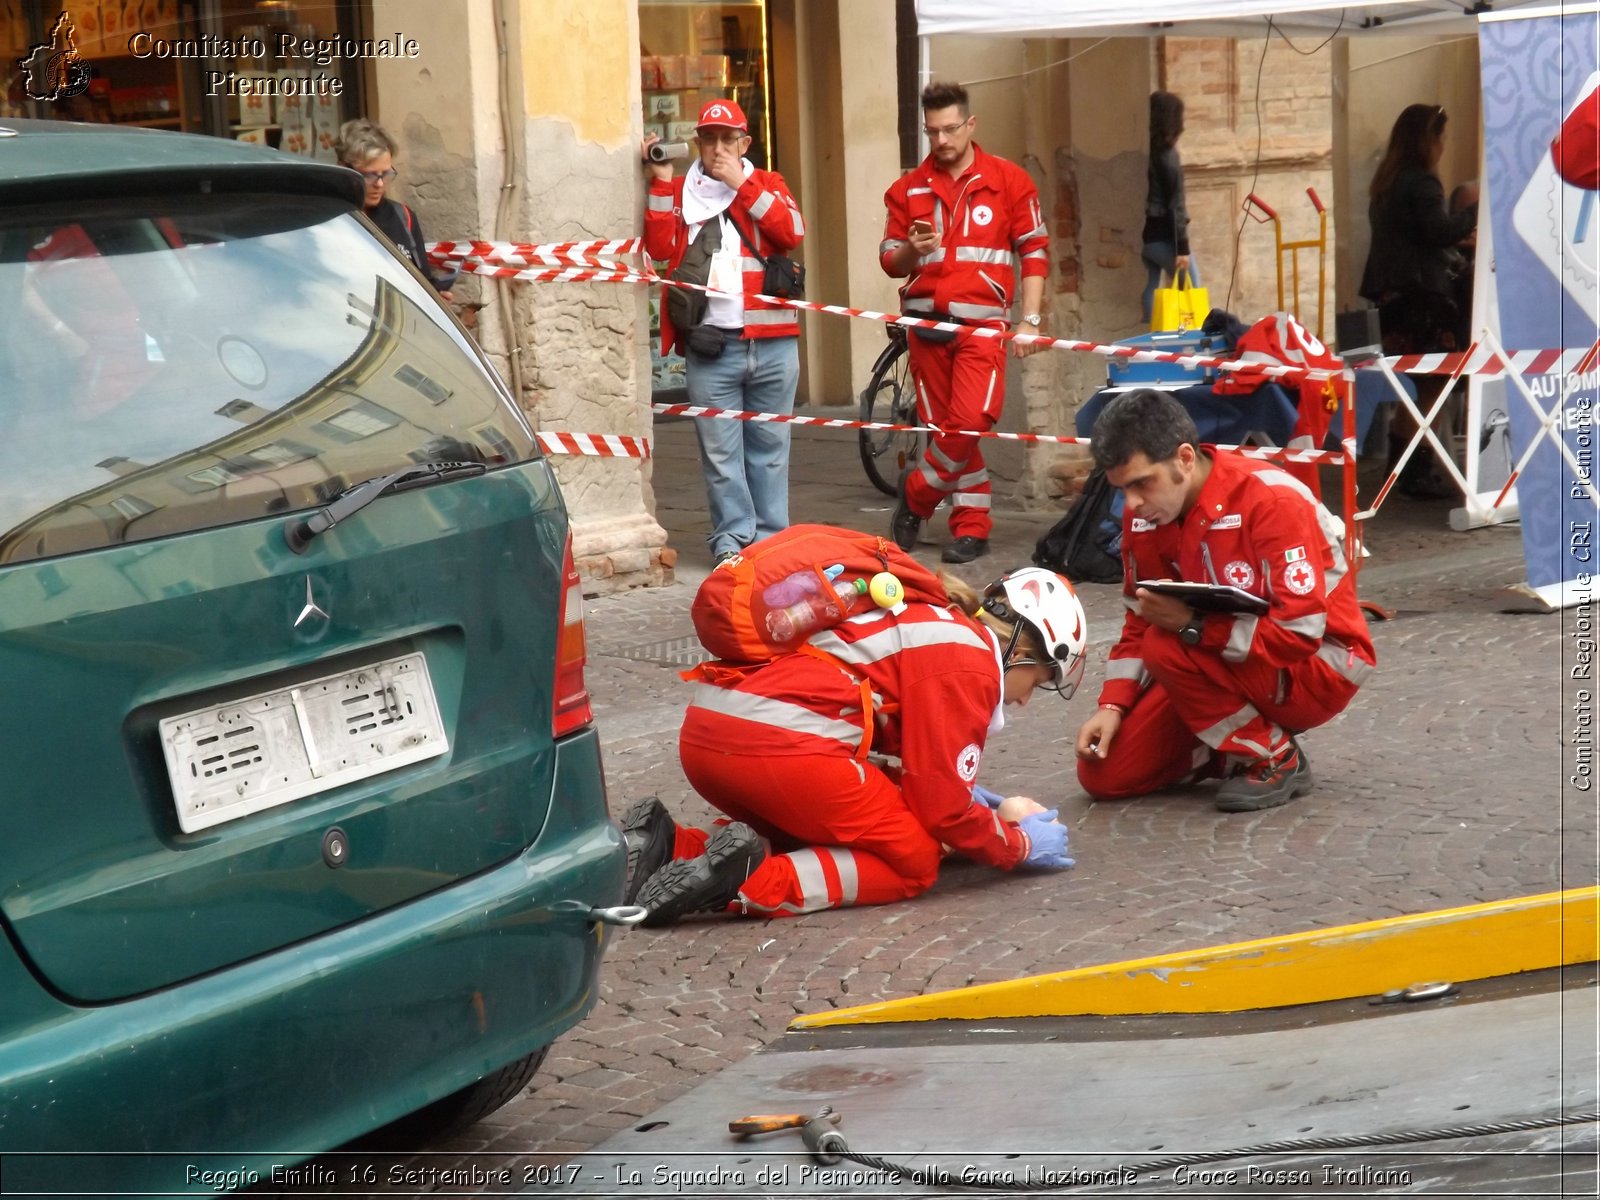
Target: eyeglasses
(376,176)
(946,131)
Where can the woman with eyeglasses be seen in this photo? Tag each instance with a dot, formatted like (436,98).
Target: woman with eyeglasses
(814,822)
(365,148)
(1413,261)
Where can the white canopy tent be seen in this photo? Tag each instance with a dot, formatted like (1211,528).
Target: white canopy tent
(1206,18)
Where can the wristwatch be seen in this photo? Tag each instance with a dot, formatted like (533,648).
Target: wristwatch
(1031,319)
(1189,635)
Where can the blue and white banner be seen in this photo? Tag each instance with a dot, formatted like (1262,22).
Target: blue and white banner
(1541,128)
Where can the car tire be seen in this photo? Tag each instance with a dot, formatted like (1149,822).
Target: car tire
(451,1114)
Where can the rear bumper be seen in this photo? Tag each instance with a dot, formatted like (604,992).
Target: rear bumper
(305,1048)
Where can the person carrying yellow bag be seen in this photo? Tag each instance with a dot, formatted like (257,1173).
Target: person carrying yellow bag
(1166,215)
(1181,307)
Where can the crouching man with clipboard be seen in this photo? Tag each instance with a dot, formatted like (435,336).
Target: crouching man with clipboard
(1242,627)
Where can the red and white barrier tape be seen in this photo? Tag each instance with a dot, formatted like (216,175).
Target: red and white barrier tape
(562,263)
(594,445)
(1274,453)
(589,253)
(594,261)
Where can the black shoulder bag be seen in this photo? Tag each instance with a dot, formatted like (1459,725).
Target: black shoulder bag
(781,275)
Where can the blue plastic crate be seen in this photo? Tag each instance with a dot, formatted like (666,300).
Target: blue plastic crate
(1122,372)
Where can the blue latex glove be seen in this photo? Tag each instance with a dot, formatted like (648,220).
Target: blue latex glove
(985,797)
(1047,841)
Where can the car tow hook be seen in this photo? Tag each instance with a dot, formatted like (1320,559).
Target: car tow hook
(625,915)
(825,1142)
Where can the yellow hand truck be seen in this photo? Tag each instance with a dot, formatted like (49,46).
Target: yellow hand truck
(1291,251)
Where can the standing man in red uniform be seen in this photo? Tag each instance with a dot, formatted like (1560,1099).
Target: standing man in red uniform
(954,225)
(1187,692)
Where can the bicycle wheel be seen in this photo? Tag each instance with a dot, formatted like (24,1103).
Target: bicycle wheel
(890,398)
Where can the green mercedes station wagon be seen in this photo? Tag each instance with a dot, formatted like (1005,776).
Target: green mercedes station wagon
(302,825)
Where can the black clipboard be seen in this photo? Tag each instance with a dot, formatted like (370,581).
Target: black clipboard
(1207,597)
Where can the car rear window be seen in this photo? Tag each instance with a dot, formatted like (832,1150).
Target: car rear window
(174,366)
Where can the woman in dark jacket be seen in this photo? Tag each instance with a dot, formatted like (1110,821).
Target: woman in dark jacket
(1413,262)
(1166,217)
(365,148)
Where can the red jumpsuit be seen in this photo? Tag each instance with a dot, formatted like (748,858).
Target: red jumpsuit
(1251,680)
(990,213)
(779,746)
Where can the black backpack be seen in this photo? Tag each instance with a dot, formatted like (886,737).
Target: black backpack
(686,307)
(1086,544)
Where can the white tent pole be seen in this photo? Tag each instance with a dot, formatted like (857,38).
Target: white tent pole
(924,78)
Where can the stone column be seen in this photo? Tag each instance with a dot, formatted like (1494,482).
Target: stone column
(561,91)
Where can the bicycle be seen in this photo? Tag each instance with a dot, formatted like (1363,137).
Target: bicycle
(890,398)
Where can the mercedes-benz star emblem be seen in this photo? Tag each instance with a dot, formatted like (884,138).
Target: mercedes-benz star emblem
(312,608)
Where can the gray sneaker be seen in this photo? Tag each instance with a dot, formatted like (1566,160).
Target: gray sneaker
(1267,782)
(705,884)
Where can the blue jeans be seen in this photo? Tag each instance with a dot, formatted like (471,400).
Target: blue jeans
(745,463)
(1161,257)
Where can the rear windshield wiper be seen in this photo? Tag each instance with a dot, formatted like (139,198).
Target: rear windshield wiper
(299,532)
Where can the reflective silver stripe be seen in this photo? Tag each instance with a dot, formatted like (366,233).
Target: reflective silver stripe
(932,256)
(971,500)
(988,395)
(769,316)
(919,191)
(1218,733)
(1240,637)
(746,263)
(889,642)
(917,304)
(1312,625)
(1343,660)
(889,245)
(813,883)
(797,223)
(658,203)
(1038,231)
(1130,603)
(1041,255)
(983,254)
(763,202)
(973,479)
(1125,668)
(936,452)
(977,312)
(849,880)
(1255,748)
(1280,478)
(780,714)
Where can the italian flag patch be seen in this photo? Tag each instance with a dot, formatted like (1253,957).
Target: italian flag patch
(1294,554)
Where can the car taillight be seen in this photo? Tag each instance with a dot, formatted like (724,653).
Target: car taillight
(571,710)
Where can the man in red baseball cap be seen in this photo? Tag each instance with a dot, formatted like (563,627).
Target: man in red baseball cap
(741,353)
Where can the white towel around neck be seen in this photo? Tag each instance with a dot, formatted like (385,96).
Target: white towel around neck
(704,196)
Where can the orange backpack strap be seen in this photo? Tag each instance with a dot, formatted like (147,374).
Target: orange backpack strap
(865,745)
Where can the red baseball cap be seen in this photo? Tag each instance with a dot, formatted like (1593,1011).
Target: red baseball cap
(724,113)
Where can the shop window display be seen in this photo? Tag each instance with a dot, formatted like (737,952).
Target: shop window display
(143,68)
(690,53)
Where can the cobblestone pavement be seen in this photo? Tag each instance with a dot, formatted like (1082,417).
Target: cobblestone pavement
(1443,785)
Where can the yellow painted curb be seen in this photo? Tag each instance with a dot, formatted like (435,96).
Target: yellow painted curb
(1455,944)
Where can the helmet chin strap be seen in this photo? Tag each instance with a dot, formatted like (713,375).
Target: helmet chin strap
(1011,645)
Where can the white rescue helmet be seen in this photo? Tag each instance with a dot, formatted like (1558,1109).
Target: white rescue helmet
(1047,604)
